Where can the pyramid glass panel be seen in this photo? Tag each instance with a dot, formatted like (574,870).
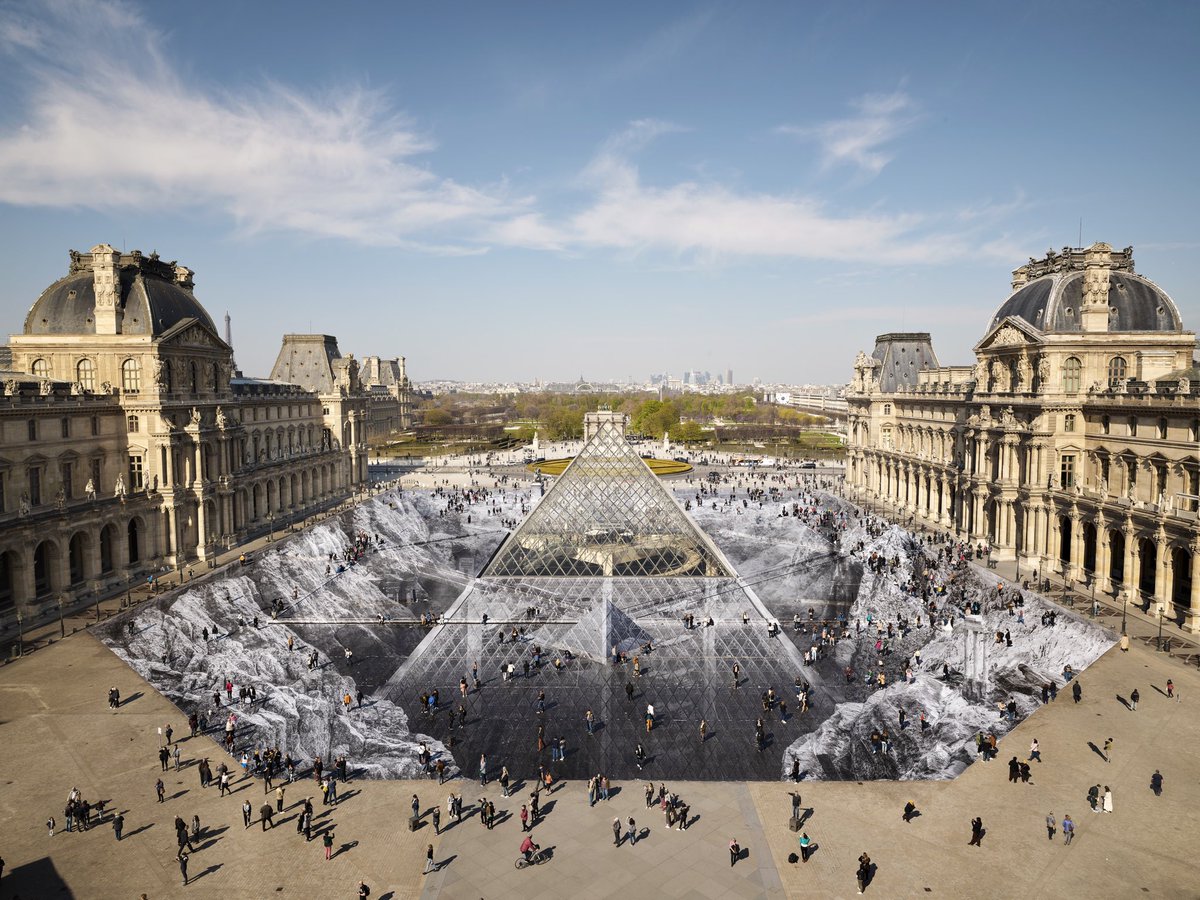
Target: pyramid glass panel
(608,515)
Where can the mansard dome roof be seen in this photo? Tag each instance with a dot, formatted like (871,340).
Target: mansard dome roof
(1051,304)
(154,297)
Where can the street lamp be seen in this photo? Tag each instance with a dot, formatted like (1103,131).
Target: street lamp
(20,634)
(1161,609)
(1124,607)
(62,628)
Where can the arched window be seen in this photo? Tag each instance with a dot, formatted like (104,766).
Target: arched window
(887,409)
(1069,422)
(1116,370)
(131,376)
(1105,424)
(216,377)
(1162,429)
(40,368)
(132,422)
(1072,368)
(1133,426)
(195,379)
(85,374)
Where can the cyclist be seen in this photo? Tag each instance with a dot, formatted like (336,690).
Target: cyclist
(528,848)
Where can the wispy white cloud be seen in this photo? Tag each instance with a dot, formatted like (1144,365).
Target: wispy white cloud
(110,123)
(707,222)
(860,139)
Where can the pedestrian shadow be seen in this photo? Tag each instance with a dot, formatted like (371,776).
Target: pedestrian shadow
(345,848)
(504,815)
(146,827)
(1098,751)
(178,794)
(692,821)
(208,871)
(613,791)
(136,695)
(441,864)
(547,807)
(642,835)
(1160,690)
(342,798)
(1124,702)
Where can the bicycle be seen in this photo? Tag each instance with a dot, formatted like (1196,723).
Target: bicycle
(538,857)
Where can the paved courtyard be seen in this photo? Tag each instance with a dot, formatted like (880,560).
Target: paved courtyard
(58,733)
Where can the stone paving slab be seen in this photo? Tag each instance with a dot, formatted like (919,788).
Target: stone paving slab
(57,732)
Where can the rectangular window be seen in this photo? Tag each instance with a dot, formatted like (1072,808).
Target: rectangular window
(1067,470)
(95,426)
(3,505)
(68,481)
(1069,422)
(35,486)
(66,427)
(31,429)
(135,472)
(96,474)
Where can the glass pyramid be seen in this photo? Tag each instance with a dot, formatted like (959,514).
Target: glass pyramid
(608,515)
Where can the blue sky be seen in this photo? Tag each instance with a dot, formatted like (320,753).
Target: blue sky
(514,191)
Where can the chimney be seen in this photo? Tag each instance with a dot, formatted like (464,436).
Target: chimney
(1020,278)
(106,282)
(1093,315)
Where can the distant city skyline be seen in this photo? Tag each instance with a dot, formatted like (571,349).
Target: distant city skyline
(509,193)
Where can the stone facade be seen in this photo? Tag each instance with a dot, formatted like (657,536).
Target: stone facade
(1072,445)
(131,445)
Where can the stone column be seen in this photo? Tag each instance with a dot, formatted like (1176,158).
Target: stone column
(1162,581)
(1131,574)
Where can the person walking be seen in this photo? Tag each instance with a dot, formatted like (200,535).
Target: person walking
(160,790)
(1076,691)
(247,814)
(118,824)
(632,835)
(183,861)
(266,816)
(524,816)
(1051,823)
(1170,689)
(1107,803)
(1133,700)
(910,809)
(976,832)
(1108,742)
(1068,829)
(1035,751)
(1156,781)
(616,828)
(863,874)
(430,865)
(436,814)
(735,851)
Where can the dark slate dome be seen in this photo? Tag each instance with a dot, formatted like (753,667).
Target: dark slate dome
(152,301)
(1051,304)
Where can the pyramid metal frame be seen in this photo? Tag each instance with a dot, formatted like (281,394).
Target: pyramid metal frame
(608,515)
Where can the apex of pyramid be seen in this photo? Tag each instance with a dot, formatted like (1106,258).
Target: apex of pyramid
(608,515)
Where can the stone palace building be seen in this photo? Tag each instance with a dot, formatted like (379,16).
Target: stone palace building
(1072,444)
(130,444)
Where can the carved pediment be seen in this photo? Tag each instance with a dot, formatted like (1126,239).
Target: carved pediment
(1010,332)
(193,333)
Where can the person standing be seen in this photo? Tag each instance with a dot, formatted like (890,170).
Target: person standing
(118,825)
(1170,689)
(1156,781)
(266,816)
(1076,691)
(327,840)
(160,790)
(247,814)
(1051,822)
(703,730)
(183,861)
(1108,742)
(279,799)
(735,851)
(1108,799)
(1133,700)
(976,832)
(524,816)
(805,847)
(616,828)
(632,836)
(909,809)
(436,814)
(1068,829)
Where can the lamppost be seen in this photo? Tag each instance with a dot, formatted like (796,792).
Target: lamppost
(20,634)
(1124,607)
(62,628)
(1161,609)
